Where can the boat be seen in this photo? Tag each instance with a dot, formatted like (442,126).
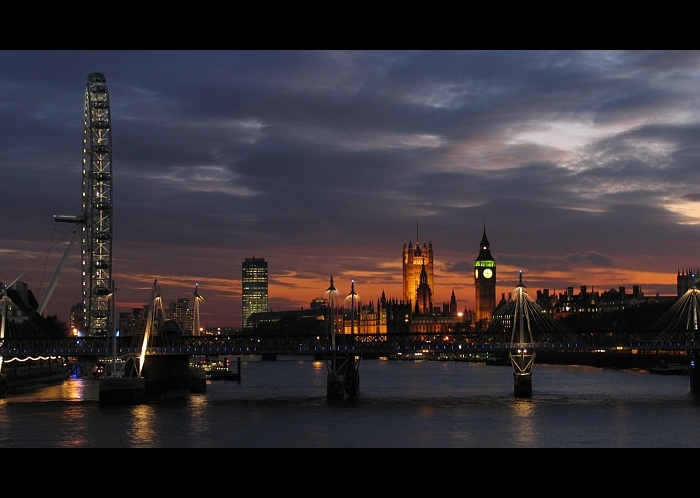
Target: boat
(220,369)
(670,369)
(417,356)
(217,372)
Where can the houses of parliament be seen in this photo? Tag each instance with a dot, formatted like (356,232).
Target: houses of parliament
(413,312)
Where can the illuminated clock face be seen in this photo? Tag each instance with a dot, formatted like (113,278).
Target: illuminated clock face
(488,273)
(476,273)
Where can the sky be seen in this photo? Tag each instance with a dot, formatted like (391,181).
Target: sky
(582,166)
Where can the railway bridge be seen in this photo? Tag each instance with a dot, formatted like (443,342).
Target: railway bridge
(360,344)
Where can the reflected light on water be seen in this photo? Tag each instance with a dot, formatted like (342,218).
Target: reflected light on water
(197,408)
(75,435)
(142,432)
(81,389)
(523,415)
(401,404)
(197,403)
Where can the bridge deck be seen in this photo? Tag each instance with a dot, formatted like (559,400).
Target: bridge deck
(379,344)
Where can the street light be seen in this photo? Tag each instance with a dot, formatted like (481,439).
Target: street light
(331,293)
(352,296)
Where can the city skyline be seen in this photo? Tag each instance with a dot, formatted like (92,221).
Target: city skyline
(580,164)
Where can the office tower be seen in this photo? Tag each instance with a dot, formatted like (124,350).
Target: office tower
(485,281)
(414,258)
(254,295)
(77,319)
(180,312)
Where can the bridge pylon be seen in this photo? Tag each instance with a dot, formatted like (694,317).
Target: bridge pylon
(343,364)
(521,335)
(522,361)
(681,324)
(522,323)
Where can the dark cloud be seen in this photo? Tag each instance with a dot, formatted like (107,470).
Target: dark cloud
(581,165)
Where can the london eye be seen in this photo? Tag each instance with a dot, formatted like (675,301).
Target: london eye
(96,216)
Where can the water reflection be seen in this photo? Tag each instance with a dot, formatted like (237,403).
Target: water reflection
(401,404)
(523,421)
(143,430)
(73,389)
(198,406)
(74,434)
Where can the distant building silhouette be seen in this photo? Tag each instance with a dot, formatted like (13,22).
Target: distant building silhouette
(586,302)
(685,279)
(22,321)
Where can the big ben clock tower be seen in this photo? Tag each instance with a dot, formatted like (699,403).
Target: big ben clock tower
(485,281)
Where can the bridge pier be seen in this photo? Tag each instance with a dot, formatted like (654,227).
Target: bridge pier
(343,375)
(522,362)
(163,377)
(122,390)
(352,375)
(198,379)
(335,386)
(695,371)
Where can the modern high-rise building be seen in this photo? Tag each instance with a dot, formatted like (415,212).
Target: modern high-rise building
(414,260)
(254,294)
(485,282)
(180,312)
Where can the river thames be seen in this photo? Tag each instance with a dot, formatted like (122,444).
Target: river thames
(402,404)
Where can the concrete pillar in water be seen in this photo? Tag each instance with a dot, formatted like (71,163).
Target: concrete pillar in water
(198,380)
(695,371)
(122,390)
(522,362)
(335,386)
(522,384)
(343,375)
(167,376)
(352,376)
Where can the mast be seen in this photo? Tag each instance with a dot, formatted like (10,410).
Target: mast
(56,275)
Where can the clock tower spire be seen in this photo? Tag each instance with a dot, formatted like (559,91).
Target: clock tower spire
(484,281)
